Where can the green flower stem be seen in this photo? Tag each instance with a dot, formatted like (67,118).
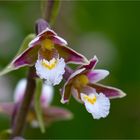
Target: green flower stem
(37,104)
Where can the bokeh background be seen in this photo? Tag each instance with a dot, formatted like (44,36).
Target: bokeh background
(108,29)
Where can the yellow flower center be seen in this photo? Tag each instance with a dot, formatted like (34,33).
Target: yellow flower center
(48,44)
(92,100)
(81,80)
(49,64)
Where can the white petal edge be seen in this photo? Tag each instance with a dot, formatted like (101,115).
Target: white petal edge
(53,76)
(62,40)
(101,107)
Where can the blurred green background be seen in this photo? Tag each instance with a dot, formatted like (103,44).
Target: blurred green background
(110,30)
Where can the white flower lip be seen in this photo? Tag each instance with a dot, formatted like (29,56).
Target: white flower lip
(51,71)
(96,104)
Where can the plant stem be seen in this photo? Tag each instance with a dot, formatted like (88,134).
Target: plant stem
(22,111)
(20,118)
(49,8)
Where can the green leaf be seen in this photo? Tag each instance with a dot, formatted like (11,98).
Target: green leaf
(23,47)
(38,108)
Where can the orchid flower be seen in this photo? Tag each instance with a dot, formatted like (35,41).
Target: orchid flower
(50,113)
(82,84)
(49,53)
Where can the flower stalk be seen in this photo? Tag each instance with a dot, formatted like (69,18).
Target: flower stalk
(20,119)
(50,10)
(22,112)
(47,55)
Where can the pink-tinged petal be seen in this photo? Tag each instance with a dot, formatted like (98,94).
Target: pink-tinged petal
(97,75)
(110,92)
(66,90)
(7,108)
(41,25)
(58,40)
(66,93)
(27,58)
(75,73)
(68,72)
(34,42)
(88,90)
(92,63)
(42,28)
(56,114)
(43,35)
(75,94)
(70,55)
(48,34)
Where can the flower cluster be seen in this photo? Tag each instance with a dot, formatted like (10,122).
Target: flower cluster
(51,55)
(82,85)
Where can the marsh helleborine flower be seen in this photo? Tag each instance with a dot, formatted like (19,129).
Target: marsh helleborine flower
(82,84)
(50,113)
(49,53)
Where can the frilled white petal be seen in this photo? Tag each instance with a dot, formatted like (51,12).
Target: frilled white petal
(75,94)
(19,90)
(51,71)
(47,95)
(96,104)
